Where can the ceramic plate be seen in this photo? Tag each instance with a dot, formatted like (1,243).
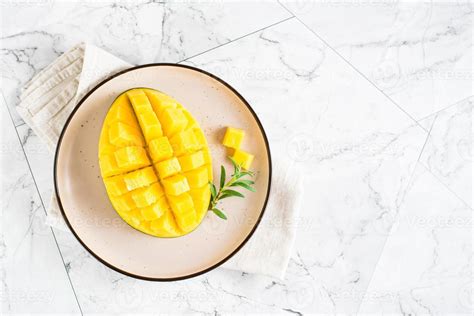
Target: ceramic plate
(86,207)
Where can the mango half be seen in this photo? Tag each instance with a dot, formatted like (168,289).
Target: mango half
(155,163)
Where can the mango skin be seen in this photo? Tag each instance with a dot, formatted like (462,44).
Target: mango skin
(143,129)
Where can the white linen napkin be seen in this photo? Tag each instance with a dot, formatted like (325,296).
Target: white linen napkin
(47,101)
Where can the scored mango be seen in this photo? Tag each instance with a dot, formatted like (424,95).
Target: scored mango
(155,163)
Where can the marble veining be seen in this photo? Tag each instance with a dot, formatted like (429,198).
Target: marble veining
(418,52)
(376,112)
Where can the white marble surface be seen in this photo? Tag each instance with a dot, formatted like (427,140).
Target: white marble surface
(355,93)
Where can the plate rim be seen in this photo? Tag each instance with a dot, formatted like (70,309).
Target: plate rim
(96,256)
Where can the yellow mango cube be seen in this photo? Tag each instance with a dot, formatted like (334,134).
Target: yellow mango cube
(200,137)
(165,225)
(160,149)
(197,178)
(131,157)
(191,161)
(139,101)
(160,101)
(115,186)
(105,148)
(135,217)
(243,158)
(140,178)
(201,198)
(207,156)
(150,125)
(209,172)
(173,120)
(122,135)
(124,203)
(155,210)
(108,165)
(184,142)
(122,112)
(208,163)
(168,167)
(192,123)
(183,209)
(202,193)
(233,137)
(148,195)
(175,185)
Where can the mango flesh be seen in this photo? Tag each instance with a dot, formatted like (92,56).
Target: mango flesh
(155,163)
(233,137)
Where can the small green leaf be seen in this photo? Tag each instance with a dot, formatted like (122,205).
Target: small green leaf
(245,173)
(249,182)
(243,185)
(232,193)
(224,196)
(222,177)
(219,213)
(213,190)
(236,166)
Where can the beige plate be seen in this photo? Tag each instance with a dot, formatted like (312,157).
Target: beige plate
(86,207)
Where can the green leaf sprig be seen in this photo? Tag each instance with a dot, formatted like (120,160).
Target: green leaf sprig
(225,191)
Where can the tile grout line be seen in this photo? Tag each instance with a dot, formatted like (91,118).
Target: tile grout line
(42,204)
(445,108)
(355,69)
(393,102)
(236,39)
(410,179)
(447,187)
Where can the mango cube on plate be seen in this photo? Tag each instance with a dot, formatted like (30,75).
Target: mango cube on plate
(105,148)
(124,203)
(155,210)
(183,208)
(168,167)
(139,178)
(150,125)
(122,112)
(191,161)
(197,178)
(139,100)
(131,157)
(184,142)
(233,137)
(160,101)
(115,186)
(122,135)
(200,193)
(173,120)
(243,158)
(200,137)
(175,185)
(108,165)
(160,149)
(191,121)
(148,195)
(201,197)
(165,225)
